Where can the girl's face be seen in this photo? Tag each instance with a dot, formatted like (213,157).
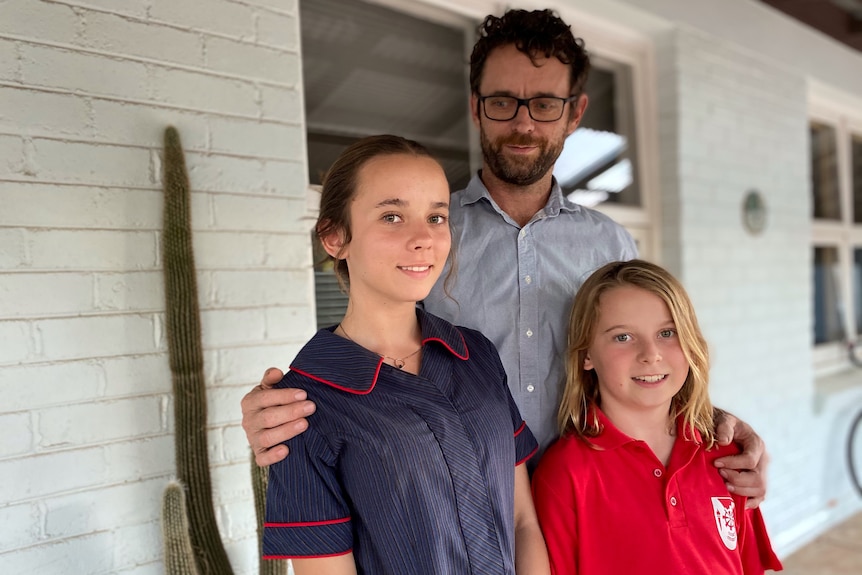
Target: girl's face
(399,219)
(636,352)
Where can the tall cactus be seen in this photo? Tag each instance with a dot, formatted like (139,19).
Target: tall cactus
(179,556)
(259,478)
(186,361)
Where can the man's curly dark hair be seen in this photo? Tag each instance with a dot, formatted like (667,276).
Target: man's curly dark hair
(538,34)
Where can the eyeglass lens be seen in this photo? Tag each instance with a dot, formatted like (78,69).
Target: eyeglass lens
(541,109)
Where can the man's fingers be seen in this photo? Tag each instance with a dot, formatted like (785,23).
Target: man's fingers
(271,456)
(749,484)
(740,462)
(271,377)
(724,427)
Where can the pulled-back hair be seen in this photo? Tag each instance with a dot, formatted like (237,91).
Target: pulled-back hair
(538,34)
(339,188)
(581,391)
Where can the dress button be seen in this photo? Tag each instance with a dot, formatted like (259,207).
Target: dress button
(530,388)
(529,333)
(673,501)
(657,472)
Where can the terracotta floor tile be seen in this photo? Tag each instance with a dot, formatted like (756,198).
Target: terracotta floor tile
(836,552)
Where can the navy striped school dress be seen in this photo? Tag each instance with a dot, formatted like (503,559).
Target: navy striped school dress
(412,473)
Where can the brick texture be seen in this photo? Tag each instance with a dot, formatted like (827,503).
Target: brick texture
(87,89)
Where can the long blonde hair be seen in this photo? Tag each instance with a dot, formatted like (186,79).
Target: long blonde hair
(581,391)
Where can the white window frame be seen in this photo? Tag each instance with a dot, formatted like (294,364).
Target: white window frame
(604,39)
(842,113)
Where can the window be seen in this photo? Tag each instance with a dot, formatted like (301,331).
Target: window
(836,211)
(599,161)
(368,69)
(401,66)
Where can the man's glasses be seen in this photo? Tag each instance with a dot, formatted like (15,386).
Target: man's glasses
(541,109)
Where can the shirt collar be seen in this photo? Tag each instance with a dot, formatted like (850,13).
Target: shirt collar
(611,437)
(556,203)
(345,365)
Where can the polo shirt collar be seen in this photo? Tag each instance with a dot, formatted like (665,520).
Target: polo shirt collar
(343,364)
(556,203)
(612,438)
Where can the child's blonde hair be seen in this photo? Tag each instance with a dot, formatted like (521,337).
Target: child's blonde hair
(581,392)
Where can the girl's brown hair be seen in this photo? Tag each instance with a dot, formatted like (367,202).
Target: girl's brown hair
(339,188)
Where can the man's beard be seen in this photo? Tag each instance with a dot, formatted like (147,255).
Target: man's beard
(519,171)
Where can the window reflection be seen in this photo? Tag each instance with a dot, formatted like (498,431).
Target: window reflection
(857,287)
(824,172)
(598,164)
(827,300)
(856,174)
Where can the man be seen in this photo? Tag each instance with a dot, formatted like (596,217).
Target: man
(522,248)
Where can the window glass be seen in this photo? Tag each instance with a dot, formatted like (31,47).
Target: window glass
(856,175)
(857,287)
(372,70)
(827,301)
(824,172)
(598,164)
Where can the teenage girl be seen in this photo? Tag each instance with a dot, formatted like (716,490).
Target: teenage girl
(630,487)
(414,460)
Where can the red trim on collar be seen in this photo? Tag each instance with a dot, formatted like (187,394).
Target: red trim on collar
(341,387)
(520,429)
(466,355)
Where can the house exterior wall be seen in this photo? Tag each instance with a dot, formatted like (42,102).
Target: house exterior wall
(732,121)
(86,91)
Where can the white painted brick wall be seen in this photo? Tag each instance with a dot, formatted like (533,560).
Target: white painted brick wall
(733,121)
(87,88)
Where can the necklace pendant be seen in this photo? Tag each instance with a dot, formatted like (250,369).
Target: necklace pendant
(399,363)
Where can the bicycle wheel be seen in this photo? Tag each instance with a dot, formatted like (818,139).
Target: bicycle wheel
(854,452)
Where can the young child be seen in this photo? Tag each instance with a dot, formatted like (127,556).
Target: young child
(630,486)
(414,459)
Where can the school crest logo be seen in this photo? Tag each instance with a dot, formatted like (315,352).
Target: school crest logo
(725,520)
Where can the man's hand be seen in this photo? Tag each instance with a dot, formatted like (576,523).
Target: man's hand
(745,474)
(272,416)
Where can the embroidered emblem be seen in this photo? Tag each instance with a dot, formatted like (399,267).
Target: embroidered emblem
(725,520)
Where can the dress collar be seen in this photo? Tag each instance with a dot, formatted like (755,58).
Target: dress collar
(345,365)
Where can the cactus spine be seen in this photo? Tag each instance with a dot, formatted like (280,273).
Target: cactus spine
(179,556)
(186,361)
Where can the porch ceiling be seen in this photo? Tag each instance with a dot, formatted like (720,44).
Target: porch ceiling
(840,19)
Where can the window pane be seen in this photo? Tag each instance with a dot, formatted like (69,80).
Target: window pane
(371,70)
(824,172)
(856,174)
(857,287)
(599,161)
(827,302)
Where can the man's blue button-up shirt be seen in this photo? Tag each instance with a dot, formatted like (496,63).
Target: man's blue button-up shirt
(516,285)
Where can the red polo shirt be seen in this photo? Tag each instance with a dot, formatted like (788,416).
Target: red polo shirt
(615,508)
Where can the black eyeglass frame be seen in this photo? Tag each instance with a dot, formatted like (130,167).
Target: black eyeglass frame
(526,103)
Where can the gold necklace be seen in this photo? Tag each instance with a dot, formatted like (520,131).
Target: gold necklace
(397,362)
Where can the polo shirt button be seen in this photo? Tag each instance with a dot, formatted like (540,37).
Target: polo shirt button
(673,501)
(529,333)
(530,388)
(657,472)
(528,280)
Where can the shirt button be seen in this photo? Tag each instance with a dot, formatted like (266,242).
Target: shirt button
(523,233)
(657,472)
(673,501)
(530,388)
(529,333)
(528,280)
